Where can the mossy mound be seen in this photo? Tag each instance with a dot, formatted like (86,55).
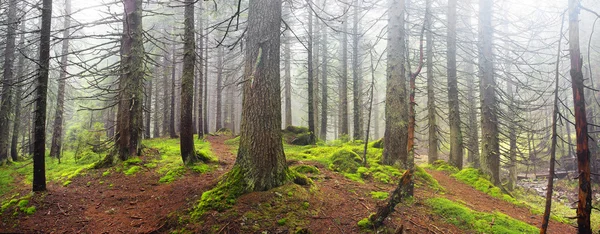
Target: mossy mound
(423,177)
(442,165)
(306,169)
(295,135)
(224,132)
(345,161)
(465,218)
(378,144)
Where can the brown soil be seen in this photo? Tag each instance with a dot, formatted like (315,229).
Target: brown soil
(479,201)
(134,204)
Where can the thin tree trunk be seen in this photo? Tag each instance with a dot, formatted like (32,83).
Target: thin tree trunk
(156,113)
(324,86)
(219,118)
(288,72)
(148,109)
(584,205)
(432,154)
(311,82)
(165,108)
(550,187)
(205,64)
(356,78)
(456,142)
(344,131)
(200,79)
(14,152)
(7,79)
(172,132)
(39,164)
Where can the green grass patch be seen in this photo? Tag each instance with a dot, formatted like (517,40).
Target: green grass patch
(467,219)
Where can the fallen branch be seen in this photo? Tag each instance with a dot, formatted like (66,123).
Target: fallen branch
(396,197)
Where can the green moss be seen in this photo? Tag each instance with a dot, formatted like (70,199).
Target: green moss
(234,141)
(66,183)
(306,169)
(377,144)
(468,219)
(132,161)
(381,177)
(365,223)
(201,168)
(106,173)
(281,222)
(7,204)
(23,203)
(172,175)
(442,165)
(29,210)
(305,205)
(422,176)
(477,180)
(150,165)
(132,170)
(223,196)
(344,160)
(379,195)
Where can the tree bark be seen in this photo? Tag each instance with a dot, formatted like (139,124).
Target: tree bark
(156,113)
(358,132)
(344,131)
(311,93)
(39,164)
(401,192)
(172,131)
(219,114)
(148,108)
(288,72)
(200,99)
(7,79)
(165,108)
(324,85)
(490,152)
(186,140)
(129,116)
(14,151)
(396,105)
(433,140)
(456,142)
(260,159)
(584,205)
(205,64)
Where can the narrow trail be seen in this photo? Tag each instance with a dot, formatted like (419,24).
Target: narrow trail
(116,203)
(479,201)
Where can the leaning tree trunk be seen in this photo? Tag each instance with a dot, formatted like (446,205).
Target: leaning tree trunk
(584,205)
(261,160)
(7,79)
(396,110)
(39,153)
(14,151)
(55,148)
(456,142)
(188,153)
(490,152)
(550,187)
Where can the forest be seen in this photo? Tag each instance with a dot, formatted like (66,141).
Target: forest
(299,116)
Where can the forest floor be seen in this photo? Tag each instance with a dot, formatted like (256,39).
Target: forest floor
(101,202)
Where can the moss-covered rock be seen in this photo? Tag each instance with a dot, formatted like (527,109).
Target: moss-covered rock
(295,129)
(378,144)
(302,139)
(345,161)
(296,135)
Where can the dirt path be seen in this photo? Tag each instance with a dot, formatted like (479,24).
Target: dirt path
(116,203)
(479,201)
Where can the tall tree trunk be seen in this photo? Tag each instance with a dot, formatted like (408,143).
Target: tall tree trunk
(156,112)
(261,161)
(550,187)
(344,131)
(129,116)
(188,153)
(356,77)
(584,205)
(148,109)
(311,82)
(396,105)
(205,65)
(39,164)
(456,143)
(288,71)
(7,79)
(200,79)
(166,107)
(14,151)
(219,114)
(433,140)
(324,85)
(490,153)
(55,148)
(172,131)
(512,136)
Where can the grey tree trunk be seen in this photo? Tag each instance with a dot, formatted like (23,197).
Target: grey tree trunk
(344,131)
(311,82)
(288,72)
(219,114)
(456,142)
(7,79)
(186,140)
(172,131)
(14,150)
(433,140)
(324,85)
(200,76)
(396,105)
(165,107)
(357,97)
